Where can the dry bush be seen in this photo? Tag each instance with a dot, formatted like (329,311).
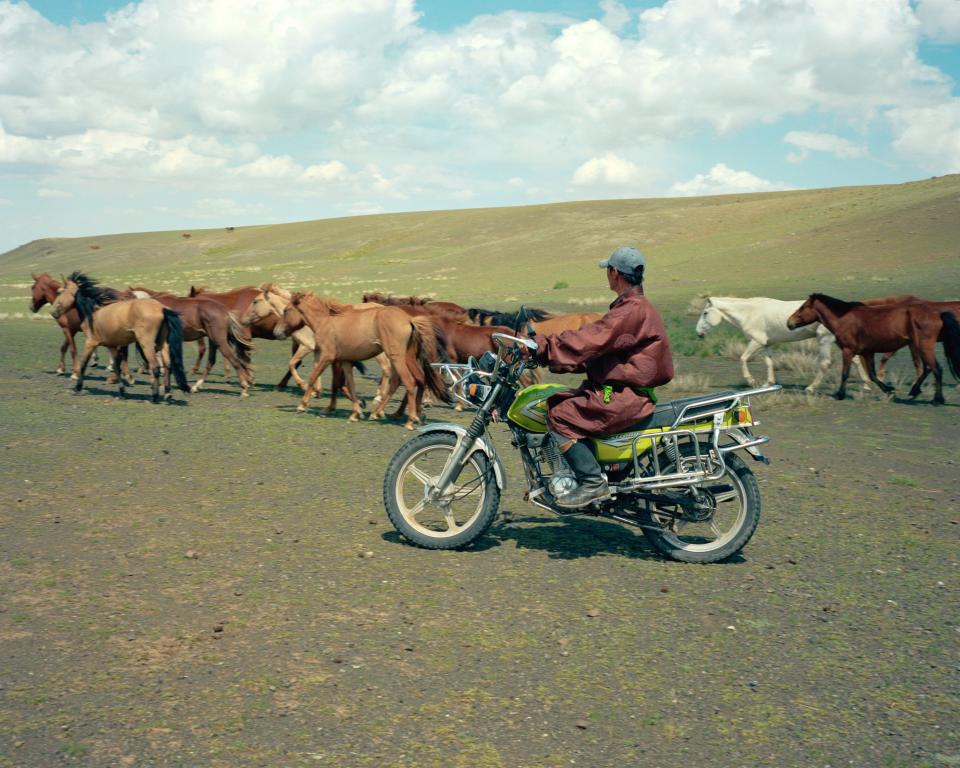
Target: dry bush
(689,382)
(695,307)
(734,348)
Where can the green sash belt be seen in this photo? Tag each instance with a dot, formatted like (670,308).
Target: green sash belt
(609,389)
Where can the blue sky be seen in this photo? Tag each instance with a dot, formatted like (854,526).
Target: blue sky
(172,114)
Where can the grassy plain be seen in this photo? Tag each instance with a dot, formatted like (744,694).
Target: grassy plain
(216,584)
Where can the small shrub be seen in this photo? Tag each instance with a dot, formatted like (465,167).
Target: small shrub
(560,284)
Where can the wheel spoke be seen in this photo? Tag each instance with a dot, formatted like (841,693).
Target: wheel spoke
(422,476)
(448,516)
(417,508)
(716,529)
(726,496)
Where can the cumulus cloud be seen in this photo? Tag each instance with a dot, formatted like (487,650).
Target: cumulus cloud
(722,180)
(822,142)
(929,135)
(609,170)
(940,19)
(175,89)
(53,193)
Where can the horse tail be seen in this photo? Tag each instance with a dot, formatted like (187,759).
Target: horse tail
(950,336)
(424,348)
(360,367)
(239,336)
(175,342)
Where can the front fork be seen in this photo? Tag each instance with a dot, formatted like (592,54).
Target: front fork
(464,447)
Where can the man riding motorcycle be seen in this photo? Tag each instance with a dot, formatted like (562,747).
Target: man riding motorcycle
(625,354)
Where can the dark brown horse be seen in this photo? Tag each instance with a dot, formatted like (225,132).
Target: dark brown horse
(865,330)
(431,306)
(206,318)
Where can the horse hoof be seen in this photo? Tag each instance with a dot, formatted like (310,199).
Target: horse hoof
(409,425)
(195,388)
(74,377)
(244,394)
(301,409)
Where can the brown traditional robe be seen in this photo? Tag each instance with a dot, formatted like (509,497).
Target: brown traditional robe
(625,348)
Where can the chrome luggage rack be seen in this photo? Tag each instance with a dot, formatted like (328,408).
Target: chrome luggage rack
(703,466)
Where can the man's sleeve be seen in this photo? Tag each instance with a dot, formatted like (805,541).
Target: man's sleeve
(567,352)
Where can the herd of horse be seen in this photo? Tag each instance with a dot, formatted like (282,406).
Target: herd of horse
(406,335)
(861,329)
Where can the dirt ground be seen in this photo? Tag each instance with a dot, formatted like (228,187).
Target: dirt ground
(217,584)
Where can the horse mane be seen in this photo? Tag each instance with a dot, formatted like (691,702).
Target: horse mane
(837,306)
(394,301)
(90,295)
(509,319)
(198,289)
(283,293)
(323,303)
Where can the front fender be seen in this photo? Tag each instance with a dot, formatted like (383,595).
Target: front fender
(461,432)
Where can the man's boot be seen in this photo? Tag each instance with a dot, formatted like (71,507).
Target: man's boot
(591,483)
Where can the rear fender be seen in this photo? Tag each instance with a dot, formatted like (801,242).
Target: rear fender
(482,445)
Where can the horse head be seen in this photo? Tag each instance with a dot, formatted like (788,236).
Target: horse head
(66,298)
(709,317)
(43,291)
(806,313)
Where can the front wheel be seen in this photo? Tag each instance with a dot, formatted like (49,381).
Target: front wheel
(717,533)
(453,520)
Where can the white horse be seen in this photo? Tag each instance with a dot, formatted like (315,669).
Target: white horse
(764,322)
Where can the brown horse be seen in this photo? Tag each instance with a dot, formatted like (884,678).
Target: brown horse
(865,330)
(348,335)
(275,300)
(108,322)
(44,291)
(431,306)
(206,318)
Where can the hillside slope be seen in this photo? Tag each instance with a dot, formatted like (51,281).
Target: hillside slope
(854,241)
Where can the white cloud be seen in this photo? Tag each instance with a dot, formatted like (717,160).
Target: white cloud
(940,19)
(53,193)
(822,142)
(609,170)
(722,180)
(929,135)
(330,171)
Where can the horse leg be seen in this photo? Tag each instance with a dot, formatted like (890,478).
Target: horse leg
(125,367)
(322,363)
(206,371)
(844,373)
(385,368)
(115,356)
(350,389)
(67,344)
(749,352)
(201,351)
(300,351)
(823,364)
(872,373)
(219,339)
(927,355)
(768,357)
(411,385)
(391,386)
(88,349)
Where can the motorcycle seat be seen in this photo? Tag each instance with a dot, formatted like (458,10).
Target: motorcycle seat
(667,413)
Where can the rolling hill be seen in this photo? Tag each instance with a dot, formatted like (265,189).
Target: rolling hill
(852,241)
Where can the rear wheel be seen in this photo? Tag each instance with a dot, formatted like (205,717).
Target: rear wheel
(457,518)
(730,516)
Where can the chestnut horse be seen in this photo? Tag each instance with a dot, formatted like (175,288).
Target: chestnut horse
(106,321)
(206,318)
(348,335)
(864,330)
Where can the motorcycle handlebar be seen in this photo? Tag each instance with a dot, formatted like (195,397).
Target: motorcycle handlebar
(501,338)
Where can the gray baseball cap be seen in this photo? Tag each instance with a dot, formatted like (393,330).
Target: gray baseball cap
(626,260)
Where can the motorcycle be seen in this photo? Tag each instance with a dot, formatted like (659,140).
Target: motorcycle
(676,476)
